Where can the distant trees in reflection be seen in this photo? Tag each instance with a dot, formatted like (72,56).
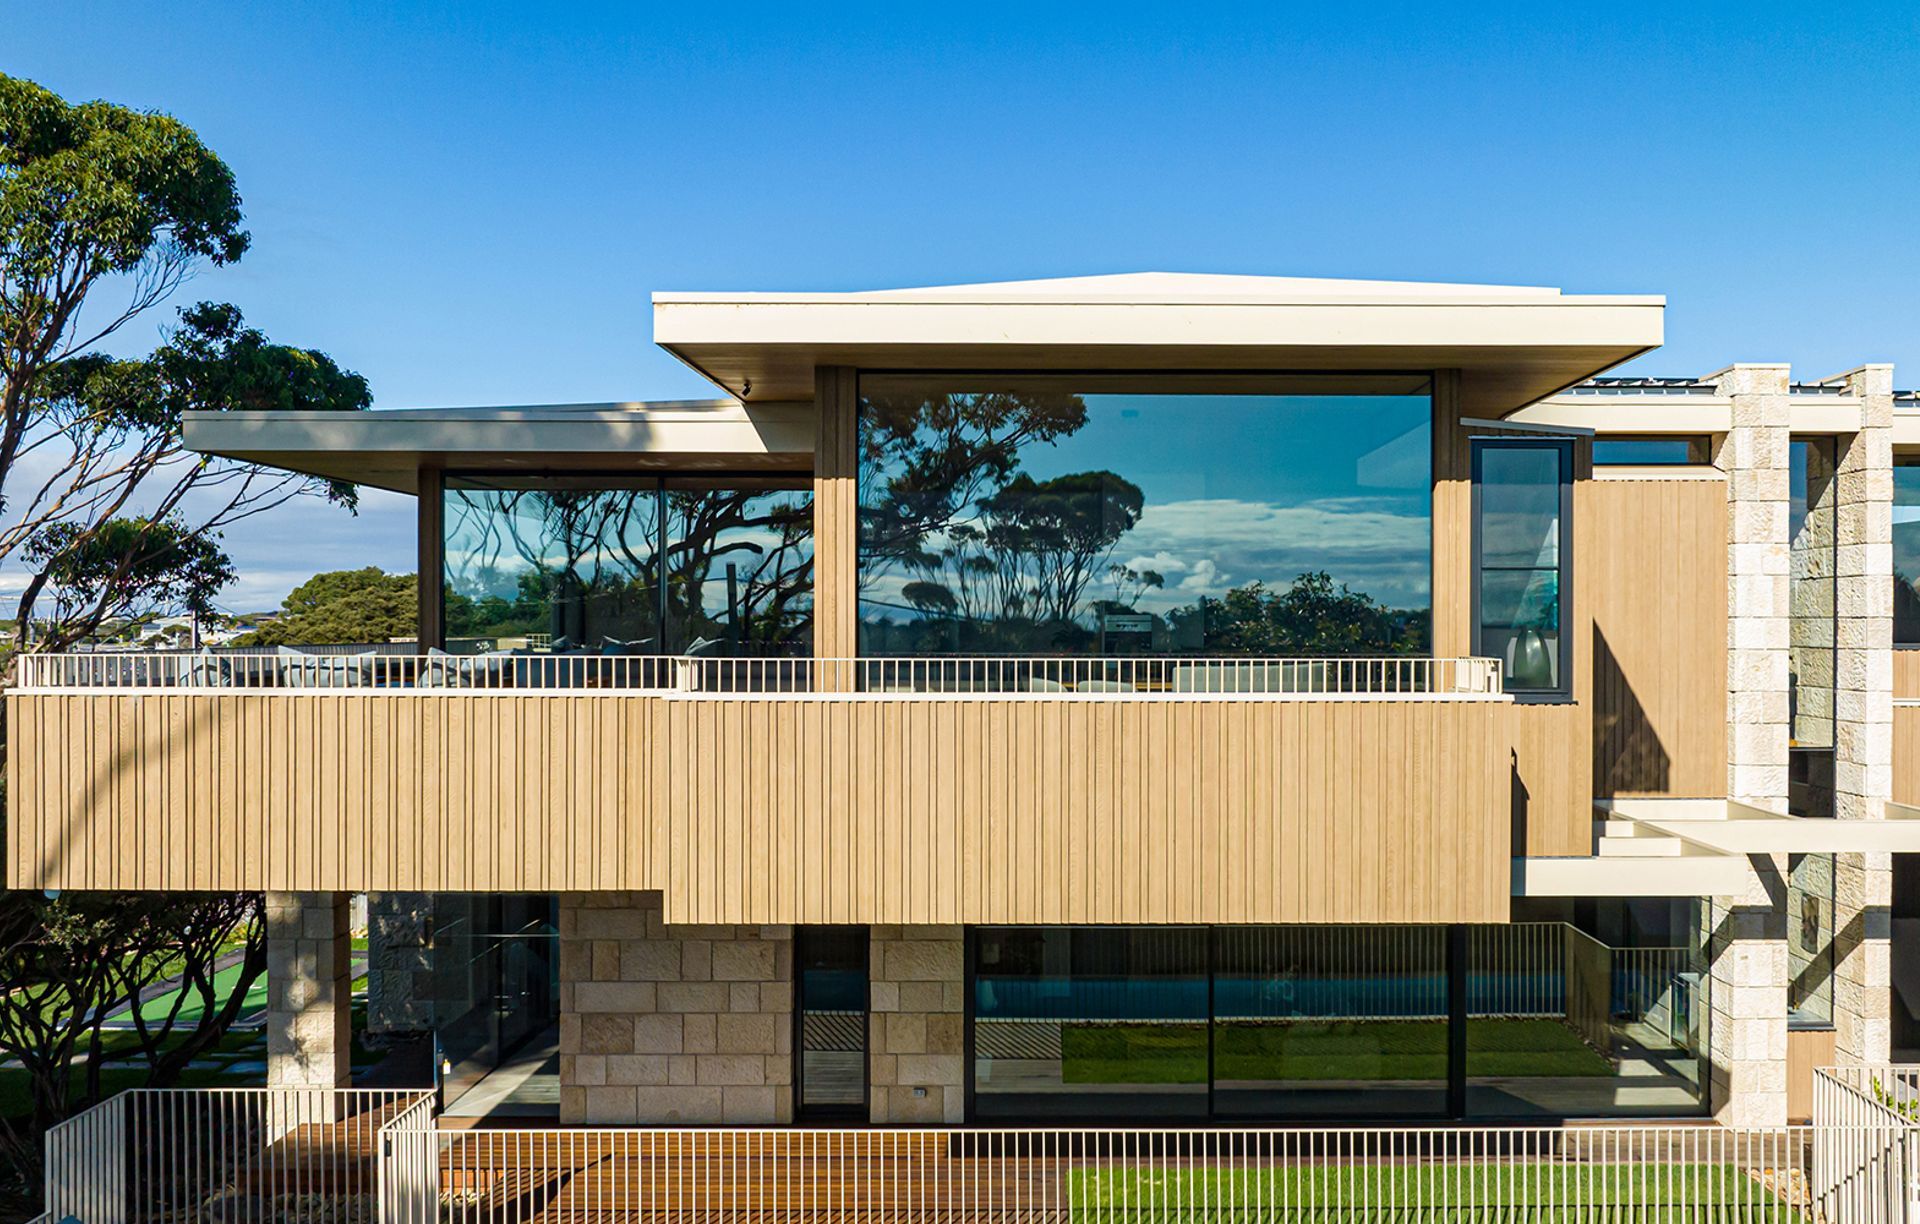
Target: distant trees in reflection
(599,568)
(996,561)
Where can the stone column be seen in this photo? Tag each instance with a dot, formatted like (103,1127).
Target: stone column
(1747,1039)
(683,1024)
(1863,730)
(309,990)
(917,1066)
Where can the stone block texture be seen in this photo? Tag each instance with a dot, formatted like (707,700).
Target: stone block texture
(399,963)
(309,990)
(1863,728)
(671,1024)
(917,1063)
(1747,932)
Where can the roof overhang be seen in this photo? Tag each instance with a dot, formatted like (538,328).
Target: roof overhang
(1701,847)
(1512,344)
(1740,829)
(387,449)
(1607,412)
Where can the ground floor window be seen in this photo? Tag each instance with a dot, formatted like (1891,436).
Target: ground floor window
(1524,1020)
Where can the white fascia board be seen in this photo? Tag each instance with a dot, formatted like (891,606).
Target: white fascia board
(1744,831)
(1824,414)
(1683,415)
(1906,429)
(1684,875)
(720,427)
(1493,324)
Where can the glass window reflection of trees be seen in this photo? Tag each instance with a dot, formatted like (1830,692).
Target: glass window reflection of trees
(630,566)
(1097,515)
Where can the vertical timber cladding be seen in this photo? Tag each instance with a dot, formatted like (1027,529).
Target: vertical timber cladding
(1906,726)
(836,497)
(782,807)
(1658,654)
(984,809)
(1550,758)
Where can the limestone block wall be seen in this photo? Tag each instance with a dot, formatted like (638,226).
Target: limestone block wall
(671,1024)
(918,1061)
(1863,735)
(309,990)
(1747,932)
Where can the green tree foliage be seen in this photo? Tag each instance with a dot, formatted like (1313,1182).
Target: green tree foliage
(104,212)
(71,963)
(344,606)
(925,460)
(1314,616)
(166,564)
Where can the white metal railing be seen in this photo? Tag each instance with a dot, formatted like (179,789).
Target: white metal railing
(237,1155)
(1866,1148)
(241,1156)
(1322,678)
(1144,1176)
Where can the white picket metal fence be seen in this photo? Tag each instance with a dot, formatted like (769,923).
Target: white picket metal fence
(235,1155)
(1867,1139)
(254,1156)
(1134,1176)
(1398,677)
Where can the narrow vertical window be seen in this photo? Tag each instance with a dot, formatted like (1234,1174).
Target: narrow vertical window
(1522,499)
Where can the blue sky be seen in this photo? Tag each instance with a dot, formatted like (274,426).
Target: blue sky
(471,203)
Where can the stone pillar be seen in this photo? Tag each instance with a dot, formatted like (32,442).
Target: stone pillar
(399,963)
(1863,731)
(663,1023)
(1747,1038)
(917,1066)
(309,990)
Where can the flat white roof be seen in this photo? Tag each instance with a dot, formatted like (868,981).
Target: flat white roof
(1513,343)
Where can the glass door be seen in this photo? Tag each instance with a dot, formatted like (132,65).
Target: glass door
(830,1020)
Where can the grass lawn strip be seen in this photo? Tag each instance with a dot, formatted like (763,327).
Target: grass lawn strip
(1146,1195)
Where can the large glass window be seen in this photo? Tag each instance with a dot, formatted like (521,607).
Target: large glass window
(1090,1022)
(1569,1015)
(1810,940)
(1107,515)
(640,566)
(1326,1022)
(1604,1017)
(1522,504)
(1906,551)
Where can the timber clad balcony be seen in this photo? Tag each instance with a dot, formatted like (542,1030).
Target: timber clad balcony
(781,790)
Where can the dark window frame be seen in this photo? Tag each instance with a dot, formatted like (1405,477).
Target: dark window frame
(1563,594)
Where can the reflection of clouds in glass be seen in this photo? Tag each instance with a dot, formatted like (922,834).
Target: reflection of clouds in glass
(1210,546)
(1370,548)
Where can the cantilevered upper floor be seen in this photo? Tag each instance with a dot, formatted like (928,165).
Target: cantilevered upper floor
(1113,599)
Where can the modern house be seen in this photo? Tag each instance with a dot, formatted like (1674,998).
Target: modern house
(1146,698)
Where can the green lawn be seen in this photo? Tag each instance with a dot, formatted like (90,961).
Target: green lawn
(1315,1050)
(1538,1190)
(236,1062)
